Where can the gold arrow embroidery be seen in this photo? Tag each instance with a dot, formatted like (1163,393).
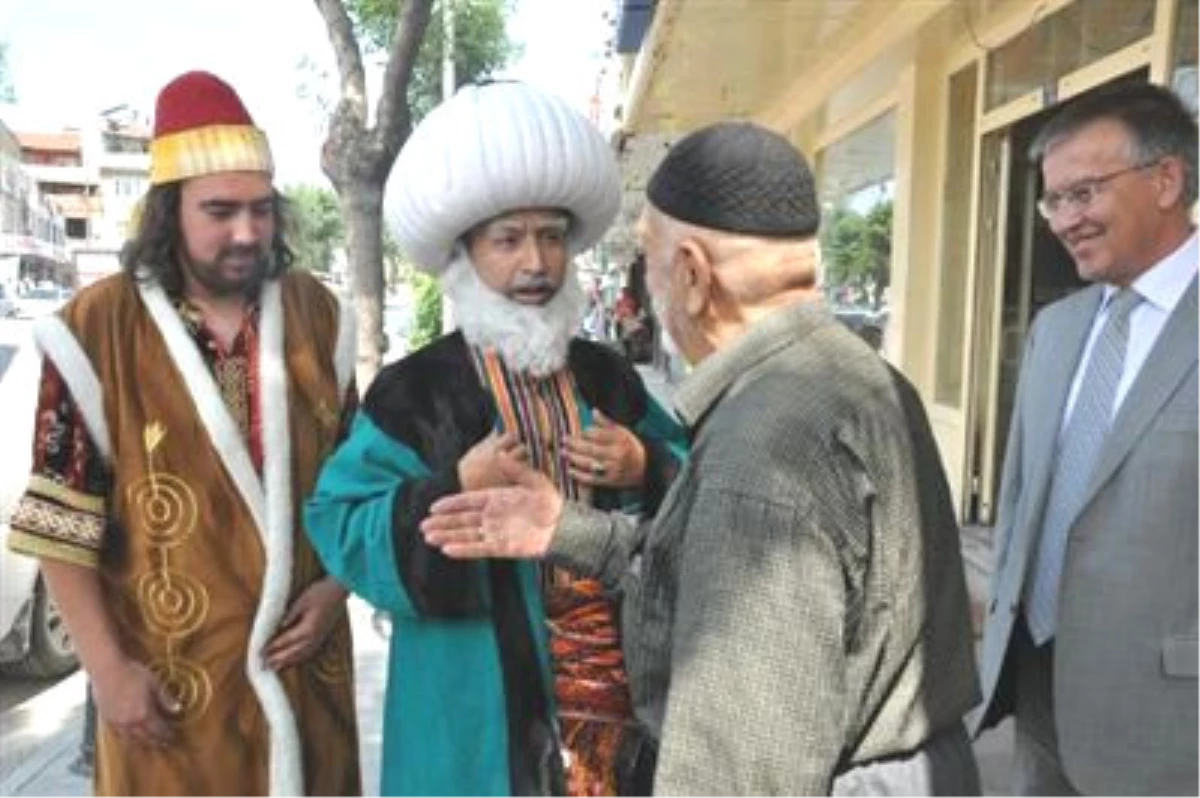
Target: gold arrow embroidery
(152,436)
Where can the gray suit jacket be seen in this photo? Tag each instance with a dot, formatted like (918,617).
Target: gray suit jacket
(1125,650)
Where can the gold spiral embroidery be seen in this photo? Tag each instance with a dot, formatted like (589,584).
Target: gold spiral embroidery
(187,683)
(173,604)
(166,506)
(327,416)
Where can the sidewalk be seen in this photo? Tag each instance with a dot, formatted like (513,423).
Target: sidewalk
(39,739)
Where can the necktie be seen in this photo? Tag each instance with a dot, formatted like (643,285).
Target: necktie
(1078,450)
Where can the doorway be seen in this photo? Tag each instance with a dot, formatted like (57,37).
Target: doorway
(1022,268)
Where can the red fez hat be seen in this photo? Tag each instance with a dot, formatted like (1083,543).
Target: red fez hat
(201,127)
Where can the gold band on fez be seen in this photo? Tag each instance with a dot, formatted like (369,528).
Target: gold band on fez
(208,150)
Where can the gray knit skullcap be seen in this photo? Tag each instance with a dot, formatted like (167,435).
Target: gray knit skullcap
(738,177)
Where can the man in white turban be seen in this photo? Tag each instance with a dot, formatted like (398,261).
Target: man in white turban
(506,678)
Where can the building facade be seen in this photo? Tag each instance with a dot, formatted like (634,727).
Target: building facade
(32,232)
(93,177)
(917,115)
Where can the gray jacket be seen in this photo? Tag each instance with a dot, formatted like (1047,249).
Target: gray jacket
(799,606)
(1125,650)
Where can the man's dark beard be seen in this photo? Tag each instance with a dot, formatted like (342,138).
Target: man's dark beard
(209,274)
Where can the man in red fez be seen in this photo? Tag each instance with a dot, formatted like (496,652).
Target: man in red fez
(185,407)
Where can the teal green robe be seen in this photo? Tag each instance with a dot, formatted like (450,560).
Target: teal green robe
(469,708)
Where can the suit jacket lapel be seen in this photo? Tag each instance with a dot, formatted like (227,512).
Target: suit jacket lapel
(1165,367)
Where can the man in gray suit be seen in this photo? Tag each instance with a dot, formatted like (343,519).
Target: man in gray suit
(797,622)
(1091,632)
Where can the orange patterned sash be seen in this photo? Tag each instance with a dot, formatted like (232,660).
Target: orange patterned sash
(590,683)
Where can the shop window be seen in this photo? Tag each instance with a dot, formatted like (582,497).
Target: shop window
(956,240)
(1186,72)
(857,184)
(1073,37)
(1183,61)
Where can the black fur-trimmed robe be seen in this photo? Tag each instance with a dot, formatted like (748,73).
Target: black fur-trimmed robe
(470,698)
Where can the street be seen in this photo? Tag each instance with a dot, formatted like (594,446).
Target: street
(13,691)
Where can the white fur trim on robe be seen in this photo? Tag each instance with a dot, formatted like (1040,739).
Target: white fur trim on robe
(54,340)
(271,508)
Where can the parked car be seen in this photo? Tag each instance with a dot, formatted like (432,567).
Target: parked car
(40,300)
(8,306)
(33,639)
(869,324)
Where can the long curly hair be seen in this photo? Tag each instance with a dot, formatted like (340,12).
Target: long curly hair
(156,251)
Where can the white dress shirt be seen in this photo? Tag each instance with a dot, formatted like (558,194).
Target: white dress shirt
(1161,287)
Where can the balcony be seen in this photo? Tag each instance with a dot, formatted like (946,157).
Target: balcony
(124,162)
(62,175)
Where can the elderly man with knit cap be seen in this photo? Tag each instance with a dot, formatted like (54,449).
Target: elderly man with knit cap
(185,406)
(505,678)
(797,622)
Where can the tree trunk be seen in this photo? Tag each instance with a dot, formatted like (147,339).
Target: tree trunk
(357,159)
(362,212)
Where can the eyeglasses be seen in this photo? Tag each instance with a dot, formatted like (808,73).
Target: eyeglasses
(1079,196)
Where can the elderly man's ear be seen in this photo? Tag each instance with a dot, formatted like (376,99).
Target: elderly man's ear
(693,268)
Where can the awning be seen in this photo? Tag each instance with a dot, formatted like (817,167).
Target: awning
(773,60)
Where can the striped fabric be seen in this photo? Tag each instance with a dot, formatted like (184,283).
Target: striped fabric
(544,411)
(591,686)
(1078,450)
(207,150)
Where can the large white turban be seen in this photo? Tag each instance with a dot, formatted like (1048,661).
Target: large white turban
(494,149)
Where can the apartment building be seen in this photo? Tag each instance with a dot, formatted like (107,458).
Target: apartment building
(93,176)
(32,232)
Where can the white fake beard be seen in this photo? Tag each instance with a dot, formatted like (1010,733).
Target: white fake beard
(532,338)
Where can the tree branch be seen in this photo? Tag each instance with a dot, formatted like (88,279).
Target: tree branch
(392,115)
(349,59)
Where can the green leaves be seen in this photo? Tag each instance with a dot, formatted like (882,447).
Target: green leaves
(481,43)
(316,226)
(428,300)
(857,250)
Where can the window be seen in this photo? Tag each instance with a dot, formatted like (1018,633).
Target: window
(1183,71)
(857,183)
(1186,73)
(1073,37)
